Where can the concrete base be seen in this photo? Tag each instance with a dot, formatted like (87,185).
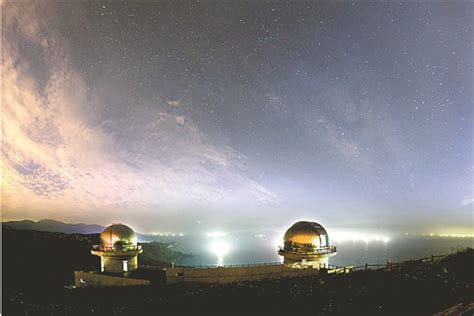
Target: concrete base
(234,274)
(118,261)
(87,279)
(115,264)
(317,264)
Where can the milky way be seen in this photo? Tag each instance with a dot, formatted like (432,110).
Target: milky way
(239,115)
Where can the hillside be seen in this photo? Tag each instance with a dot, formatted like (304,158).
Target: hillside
(413,288)
(33,258)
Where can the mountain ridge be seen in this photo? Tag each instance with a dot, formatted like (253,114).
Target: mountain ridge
(55,226)
(51,225)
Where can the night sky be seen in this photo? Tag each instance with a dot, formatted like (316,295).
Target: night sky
(239,115)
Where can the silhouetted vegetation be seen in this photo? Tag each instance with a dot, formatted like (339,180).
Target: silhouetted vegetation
(35,259)
(40,262)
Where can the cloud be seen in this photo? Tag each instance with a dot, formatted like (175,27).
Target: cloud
(59,156)
(467,201)
(174,103)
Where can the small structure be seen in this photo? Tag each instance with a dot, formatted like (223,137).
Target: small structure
(118,249)
(306,244)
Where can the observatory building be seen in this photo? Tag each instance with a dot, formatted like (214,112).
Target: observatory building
(117,249)
(307,244)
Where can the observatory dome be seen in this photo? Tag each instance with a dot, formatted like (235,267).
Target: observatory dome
(118,237)
(307,233)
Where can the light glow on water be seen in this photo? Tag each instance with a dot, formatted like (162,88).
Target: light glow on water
(352,249)
(220,248)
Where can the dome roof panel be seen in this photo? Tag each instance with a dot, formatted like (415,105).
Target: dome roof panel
(118,236)
(304,232)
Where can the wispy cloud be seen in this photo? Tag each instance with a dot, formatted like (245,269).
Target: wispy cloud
(57,157)
(174,103)
(467,201)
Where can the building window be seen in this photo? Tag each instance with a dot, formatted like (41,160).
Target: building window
(125,265)
(323,240)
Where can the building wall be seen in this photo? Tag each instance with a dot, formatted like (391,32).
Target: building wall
(322,262)
(114,264)
(234,274)
(85,279)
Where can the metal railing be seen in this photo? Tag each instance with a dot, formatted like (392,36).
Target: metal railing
(117,248)
(309,250)
(387,266)
(396,265)
(246,265)
(151,267)
(232,265)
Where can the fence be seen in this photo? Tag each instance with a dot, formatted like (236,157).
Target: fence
(395,265)
(329,268)
(232,265)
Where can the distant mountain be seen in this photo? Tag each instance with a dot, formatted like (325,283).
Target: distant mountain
(51,225)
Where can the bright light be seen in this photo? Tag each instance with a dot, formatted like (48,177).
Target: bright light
(357,237)
(376,237)
(215,234)
(220,248)
(445,234)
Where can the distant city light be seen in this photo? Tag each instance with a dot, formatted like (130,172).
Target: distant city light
(167,234)
(215,234)
(358,237)
(451,235)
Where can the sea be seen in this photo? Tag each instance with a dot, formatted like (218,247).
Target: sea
(242,248)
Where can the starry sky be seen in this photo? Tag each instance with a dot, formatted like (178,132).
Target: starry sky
(172,115)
